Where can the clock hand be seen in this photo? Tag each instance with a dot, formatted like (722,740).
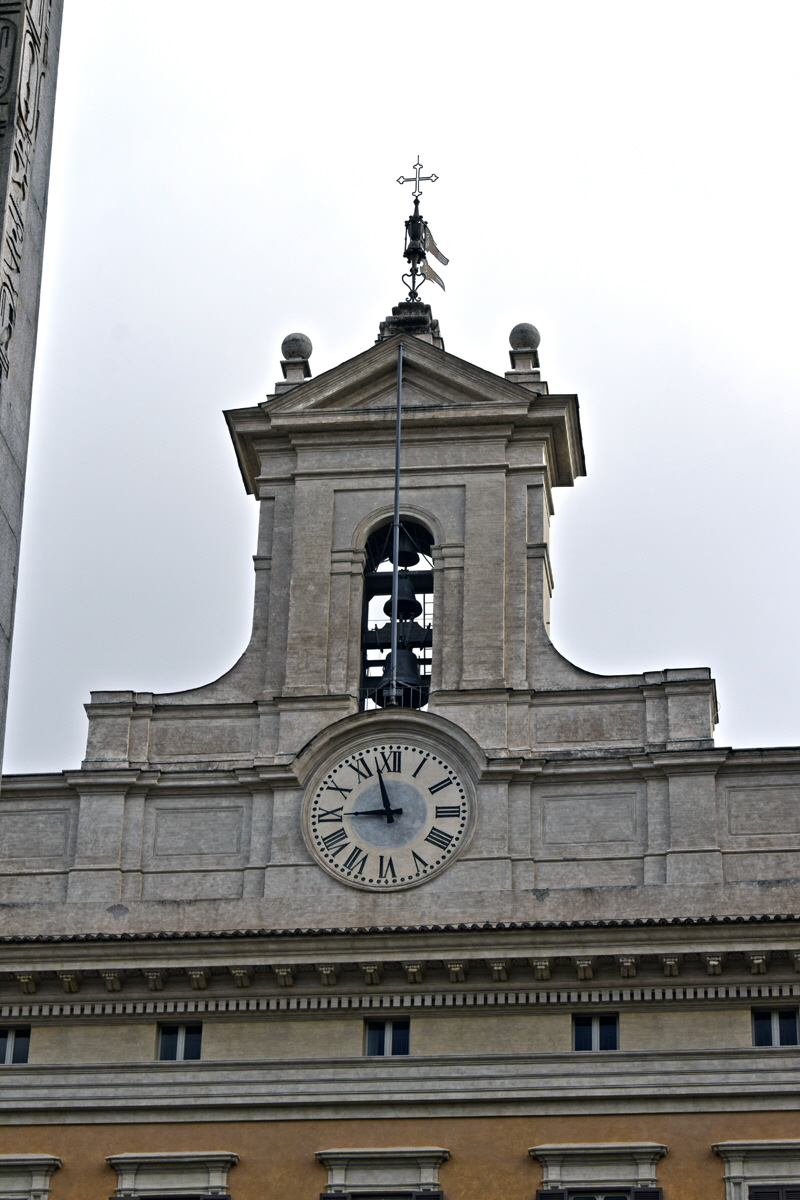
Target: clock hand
(385,798)
(374,812)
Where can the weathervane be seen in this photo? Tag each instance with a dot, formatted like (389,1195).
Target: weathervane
(419,239)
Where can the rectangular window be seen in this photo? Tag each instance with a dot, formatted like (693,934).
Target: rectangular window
(637,1193)
(387,1038)
(179,1042)
(598,1031)
(759,1192)
(775,1027)
(14,1045)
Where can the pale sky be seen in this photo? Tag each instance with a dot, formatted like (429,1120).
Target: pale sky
(624,175)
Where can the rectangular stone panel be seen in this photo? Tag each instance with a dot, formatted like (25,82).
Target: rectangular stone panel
(597,872)
(204,737)
(589,724)
(198,831)
(586,820)
(764,810)
(46,887)
(761,865)
(193,885)
(34,833)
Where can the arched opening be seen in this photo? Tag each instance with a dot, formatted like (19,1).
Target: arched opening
(414,612)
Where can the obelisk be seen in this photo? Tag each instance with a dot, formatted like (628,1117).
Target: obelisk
(29,43)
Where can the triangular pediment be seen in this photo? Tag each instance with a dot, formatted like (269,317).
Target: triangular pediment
(361,394)
(431,377)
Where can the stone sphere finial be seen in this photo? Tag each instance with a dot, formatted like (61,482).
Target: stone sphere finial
(296,345)
(524,337)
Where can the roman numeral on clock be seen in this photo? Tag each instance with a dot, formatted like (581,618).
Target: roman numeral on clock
(438,787)
(352,859)
(421,765)
(335,839)
(442,810)
(418,862)
(382,874)
(335,787)
(335,814)
(361,769)
(389,762)
(438,837)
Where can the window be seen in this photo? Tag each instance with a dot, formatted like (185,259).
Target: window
(775,1027)
(774,1193)
(179,1042)
(414,615)
(387,1038)
(768,1170)
(645,1193)
(393,1173)
(14,1045)
(599,1170)
(180,1175)
(595,1032)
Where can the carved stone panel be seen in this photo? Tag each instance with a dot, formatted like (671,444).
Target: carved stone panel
(601,723)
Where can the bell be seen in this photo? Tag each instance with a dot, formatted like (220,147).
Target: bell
(408,606)
(412,689)
(407,552)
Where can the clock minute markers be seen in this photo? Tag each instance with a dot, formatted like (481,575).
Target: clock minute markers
(421,765)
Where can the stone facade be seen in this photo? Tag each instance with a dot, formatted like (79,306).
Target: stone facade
(619,866)
(29,40)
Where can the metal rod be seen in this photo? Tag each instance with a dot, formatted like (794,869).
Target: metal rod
(393,689)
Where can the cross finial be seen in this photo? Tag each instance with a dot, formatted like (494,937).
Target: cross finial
(417,178)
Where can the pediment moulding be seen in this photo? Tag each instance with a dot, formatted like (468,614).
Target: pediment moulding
(758,1163)
(612,1164)
(27,1176)
(173,1172)
(359,395)
(357,1170)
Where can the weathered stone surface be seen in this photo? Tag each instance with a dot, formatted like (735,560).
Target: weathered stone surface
(30,32)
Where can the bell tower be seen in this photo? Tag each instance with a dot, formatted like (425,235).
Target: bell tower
(400,698)
(482,458)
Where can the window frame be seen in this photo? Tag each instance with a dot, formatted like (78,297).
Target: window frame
(585,1192)
(775,1014)
(388,1024)
(595,1019)
(771,1164)
(773,1191)
(180,1047)
(11,1032)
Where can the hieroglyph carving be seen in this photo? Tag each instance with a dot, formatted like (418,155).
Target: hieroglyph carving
(23,56)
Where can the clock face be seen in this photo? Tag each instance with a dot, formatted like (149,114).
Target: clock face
(388,815)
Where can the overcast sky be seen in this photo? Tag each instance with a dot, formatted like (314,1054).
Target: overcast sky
(623,175)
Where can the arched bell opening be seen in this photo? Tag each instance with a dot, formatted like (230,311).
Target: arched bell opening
(414,617)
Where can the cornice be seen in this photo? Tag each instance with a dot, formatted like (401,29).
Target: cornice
(349,930)
(742,1080)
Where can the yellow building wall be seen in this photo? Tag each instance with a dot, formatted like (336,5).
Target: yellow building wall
(489,1155)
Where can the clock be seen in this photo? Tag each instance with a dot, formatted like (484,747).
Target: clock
(388,815)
